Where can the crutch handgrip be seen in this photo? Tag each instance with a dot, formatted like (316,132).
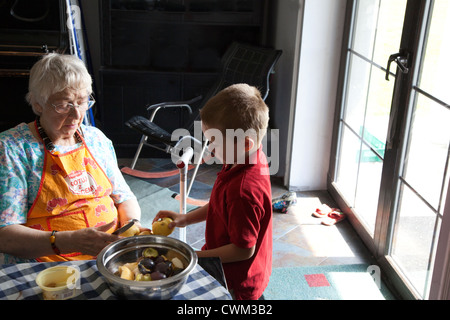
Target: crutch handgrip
(185,158)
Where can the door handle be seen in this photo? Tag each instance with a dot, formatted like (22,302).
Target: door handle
(402,61)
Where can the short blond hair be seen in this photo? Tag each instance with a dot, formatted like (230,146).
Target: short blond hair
(238,106)
(54,73)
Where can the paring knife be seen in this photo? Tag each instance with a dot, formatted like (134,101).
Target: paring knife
(125,227)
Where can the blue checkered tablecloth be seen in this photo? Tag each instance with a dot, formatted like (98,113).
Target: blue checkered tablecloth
(18,282)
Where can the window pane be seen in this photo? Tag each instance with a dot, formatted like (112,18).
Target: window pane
(358,84)
(378,29)
(378,109)
(429,145)
(377,98)
(389,30)
(436,66)
(347,173)
(369,180)
(365,27)
(413,237)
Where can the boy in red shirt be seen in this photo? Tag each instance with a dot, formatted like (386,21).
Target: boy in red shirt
(239,213)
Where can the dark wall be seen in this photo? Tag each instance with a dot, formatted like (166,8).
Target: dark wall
(27,30)
(156,51)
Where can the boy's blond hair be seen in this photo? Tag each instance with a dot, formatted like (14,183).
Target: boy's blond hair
(238,106)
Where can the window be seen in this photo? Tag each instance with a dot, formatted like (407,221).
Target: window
(392,137)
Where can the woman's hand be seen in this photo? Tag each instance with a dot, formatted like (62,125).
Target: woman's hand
(87,241)
(29,243)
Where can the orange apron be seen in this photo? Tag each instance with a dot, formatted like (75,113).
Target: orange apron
(74,194)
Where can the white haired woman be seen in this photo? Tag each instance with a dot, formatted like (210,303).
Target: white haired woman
(62,193)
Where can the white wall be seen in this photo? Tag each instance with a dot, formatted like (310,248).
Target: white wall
(92,24)
(286,17)
(315,100)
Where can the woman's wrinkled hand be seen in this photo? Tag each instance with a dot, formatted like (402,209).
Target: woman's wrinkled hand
(87,241)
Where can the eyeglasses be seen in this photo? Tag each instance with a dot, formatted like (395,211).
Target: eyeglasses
(64,108)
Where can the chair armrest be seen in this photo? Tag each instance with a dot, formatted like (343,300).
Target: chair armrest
(178,104)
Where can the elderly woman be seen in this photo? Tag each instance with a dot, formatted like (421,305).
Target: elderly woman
(62,193)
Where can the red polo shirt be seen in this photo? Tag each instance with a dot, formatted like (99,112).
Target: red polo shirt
(240,212)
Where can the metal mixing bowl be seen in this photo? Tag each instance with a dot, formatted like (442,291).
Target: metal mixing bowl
(129,250)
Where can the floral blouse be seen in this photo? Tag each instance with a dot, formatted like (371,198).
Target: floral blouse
(22,162)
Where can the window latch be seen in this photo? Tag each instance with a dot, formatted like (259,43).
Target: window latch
(402,61)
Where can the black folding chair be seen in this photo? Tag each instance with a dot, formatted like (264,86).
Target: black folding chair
(241,63)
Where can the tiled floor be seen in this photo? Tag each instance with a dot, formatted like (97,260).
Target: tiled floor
(299,239)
